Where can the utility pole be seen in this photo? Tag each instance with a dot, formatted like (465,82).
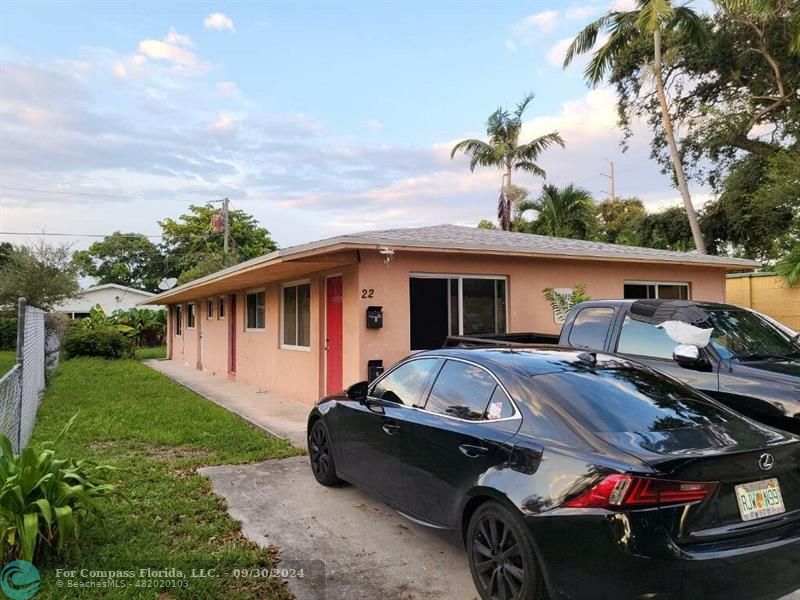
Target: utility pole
(226,234)
(612,180)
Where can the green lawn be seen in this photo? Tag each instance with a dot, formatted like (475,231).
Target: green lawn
(158,432)
(151,352)
(7,360)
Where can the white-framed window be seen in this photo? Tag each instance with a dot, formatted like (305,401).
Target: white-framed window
(221,308)
(664,290)
(256,314)
(296,315)
(178,312)
(209,309)
(443,305)
(190,315)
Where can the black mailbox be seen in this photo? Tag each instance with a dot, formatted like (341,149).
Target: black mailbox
(374,369)
(374,317)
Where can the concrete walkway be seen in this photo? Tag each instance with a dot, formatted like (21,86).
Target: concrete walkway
(277,416)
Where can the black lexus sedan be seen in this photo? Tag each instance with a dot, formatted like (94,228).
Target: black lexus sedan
(572,474)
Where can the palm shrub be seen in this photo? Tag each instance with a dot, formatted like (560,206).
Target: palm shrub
(44,499)
(563,303)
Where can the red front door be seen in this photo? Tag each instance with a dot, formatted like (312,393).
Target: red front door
(232,334)
(333,334)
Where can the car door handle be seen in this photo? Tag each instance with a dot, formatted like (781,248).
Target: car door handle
(473,451)
(391,428)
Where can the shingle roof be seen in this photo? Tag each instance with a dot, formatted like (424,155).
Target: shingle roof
(471,239)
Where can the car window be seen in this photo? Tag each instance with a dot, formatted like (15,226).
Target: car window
(590,328)
(629,399)
(500,405)
(744,335)
(405,384)
(461,390)
(644,339)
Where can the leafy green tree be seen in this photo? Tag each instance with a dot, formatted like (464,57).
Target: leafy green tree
(189,240)
(665,230)
(646,25)
(789,266)
(503,151)
(123,258)
(757,214)
(5,251)
(486,224)
(617,218)
(561,212)
(44,275)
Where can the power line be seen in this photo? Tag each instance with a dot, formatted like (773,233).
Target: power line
(87,194)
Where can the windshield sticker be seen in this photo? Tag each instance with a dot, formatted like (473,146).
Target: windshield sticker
(495,410)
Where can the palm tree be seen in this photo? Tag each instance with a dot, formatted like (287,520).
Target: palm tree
(562,212)
(504,152)
(652,18)
(789,266)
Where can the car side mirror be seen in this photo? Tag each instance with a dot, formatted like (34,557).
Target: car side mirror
(690,357)
(358,392)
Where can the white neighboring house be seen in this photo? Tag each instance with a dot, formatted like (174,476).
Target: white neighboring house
(109,296)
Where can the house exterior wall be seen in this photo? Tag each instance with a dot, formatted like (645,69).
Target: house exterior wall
(768,294)
(300,375)
(110,299)
(526,278)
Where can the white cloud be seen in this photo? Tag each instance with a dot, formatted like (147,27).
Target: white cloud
(228,88)
(511,46)
(623,5)
(556,54)
(530,28)
(580,12)
(224,125)
(218,21)
(373,125)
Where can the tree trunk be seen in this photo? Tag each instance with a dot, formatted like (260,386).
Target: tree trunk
(694,224)
(504,208)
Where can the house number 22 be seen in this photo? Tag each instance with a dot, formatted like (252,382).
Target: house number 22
(367,293)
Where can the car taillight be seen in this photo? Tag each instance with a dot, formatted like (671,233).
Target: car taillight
(621,491)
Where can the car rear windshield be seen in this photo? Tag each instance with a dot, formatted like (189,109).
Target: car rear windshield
(629,399)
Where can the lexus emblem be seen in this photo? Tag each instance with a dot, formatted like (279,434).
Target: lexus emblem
(766,461)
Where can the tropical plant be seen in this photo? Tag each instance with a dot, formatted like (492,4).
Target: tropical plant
(504,151)
(101,340)
(44,499)
(562,302)
(789,266)
(149,326)
(650,21)
(561,212)
(98,319)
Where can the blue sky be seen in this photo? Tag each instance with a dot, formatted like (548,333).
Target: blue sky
(319,118)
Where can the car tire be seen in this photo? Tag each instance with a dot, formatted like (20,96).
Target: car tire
(320,452)
(501,556)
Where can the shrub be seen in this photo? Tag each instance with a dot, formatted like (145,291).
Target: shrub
(105,341)
(44,499)
(8,332)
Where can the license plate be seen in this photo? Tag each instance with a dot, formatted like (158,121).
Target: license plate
(759,499)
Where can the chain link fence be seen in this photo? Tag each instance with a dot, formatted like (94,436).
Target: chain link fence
(22,386)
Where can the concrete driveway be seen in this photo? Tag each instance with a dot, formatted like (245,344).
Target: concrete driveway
(367,550)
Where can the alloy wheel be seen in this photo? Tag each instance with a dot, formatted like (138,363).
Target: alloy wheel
(320,453)
(497,558)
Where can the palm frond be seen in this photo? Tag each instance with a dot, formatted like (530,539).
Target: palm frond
(623,31)
(586,39)
(530,167)
(478,151)
(653,14)
(690,23)
(532,150)
(522,106)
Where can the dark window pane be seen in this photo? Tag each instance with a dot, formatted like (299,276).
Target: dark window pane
(290,316)
(743,334)
(178,320)
(406,383)
(429,303)
(636,291)
(644,339)
(221,308)
(455,317)
(673,292)
(627,399)
(304,315)
(210,309)
(590,328)
(255,310)
(190,315)
(480,306)
(461,390)
(500,406)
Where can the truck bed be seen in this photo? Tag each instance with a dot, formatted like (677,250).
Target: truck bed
(500,339)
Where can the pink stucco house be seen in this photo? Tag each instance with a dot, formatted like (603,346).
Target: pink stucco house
(308,320)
